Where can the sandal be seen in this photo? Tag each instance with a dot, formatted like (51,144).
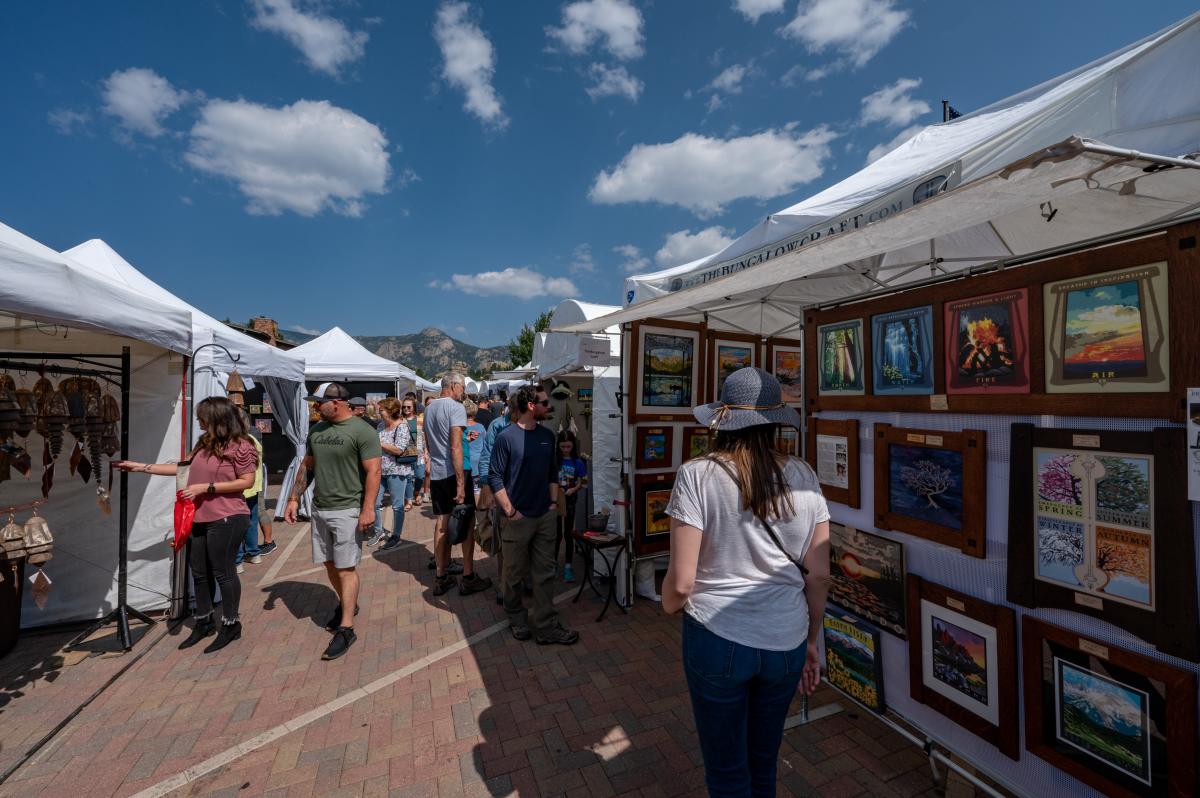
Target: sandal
(408,506)
(418,501)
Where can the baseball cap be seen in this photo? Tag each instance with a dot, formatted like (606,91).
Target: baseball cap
(327,391)
(358,401)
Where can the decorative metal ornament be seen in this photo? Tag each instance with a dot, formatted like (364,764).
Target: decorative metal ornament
(39,542)
(73,392)
(10,411)
(12,540)
(28,407)
(52,420)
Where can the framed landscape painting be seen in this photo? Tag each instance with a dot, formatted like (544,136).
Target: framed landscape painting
(1120,722)
(787,440)
(853,659)
(785,360)
(987,344)
(652,493)
(1109,332)
(840,359)
(697,442)
(653,447)
(1099,523)
(867,577)
(832,452)
(666,363)
(962,658)
(903,352)
(728,352)
(922,481)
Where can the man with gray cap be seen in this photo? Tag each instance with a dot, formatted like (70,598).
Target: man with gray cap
(344,456)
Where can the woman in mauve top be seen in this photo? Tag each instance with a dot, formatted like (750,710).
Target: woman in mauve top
(223,465)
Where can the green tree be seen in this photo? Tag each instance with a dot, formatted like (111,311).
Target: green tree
(520,349)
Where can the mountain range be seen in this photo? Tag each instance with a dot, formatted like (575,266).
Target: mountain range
(431,352)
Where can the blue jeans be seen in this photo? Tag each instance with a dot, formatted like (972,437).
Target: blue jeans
(740,699)
(399,487)
(249,545)
(417,481)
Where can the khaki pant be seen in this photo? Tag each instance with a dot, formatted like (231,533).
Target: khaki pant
(528,548)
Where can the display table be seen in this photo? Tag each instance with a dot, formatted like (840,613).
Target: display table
(595,546)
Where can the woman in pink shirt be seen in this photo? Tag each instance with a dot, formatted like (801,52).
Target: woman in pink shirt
(222,467)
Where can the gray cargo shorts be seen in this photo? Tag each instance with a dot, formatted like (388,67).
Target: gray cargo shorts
(336,537)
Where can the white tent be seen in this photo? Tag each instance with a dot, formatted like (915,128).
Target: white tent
(1048,167)
(338,357)
(49,304)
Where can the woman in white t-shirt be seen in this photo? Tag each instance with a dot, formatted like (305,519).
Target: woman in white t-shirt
(750,571)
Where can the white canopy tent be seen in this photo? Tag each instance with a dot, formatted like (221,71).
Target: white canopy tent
(1052,166)
(336,356)
(50,304)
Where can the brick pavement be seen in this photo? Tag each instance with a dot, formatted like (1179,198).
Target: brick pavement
(423,711)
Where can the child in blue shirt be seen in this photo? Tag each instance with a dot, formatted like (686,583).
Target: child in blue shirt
(572,474)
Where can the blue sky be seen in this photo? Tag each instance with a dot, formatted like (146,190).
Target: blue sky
(387,166)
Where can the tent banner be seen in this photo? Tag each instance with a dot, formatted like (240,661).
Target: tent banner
(906,196)
(594,350)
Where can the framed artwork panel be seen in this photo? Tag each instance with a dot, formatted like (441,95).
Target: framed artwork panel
(962,656)
(1099,523)
(922,481)
(697,442)
(653,447)
(854,659)
(867,577)
(987,344)
(1120,722)
(255,410)
(832,452)
(785,360)
(787,440)
(841,367)
(728,352)
(584,394)
(902,352)
(666,362)
(652,525)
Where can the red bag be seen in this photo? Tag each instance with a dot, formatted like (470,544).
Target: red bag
(185,513)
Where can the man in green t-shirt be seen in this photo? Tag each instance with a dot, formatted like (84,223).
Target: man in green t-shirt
(344,456)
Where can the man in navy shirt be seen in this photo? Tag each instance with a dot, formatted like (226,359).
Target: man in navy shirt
(523,477)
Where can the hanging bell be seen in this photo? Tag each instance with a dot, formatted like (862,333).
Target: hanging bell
(10,411)
(95,431)
(6,381)
(12,540)
(42,389)
(72,391)
(53,416)
(28,407)
(235,383)
(39,543)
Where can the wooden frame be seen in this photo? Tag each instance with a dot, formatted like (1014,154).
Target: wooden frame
(716,339)
(967,448)
(642,437)
(649,538)
(867,577)
(1175,246)
(821,430)
(1160,696)
(983,633)
(840,661)
(691,434)
(1061,529)
(638,332)
(792,382)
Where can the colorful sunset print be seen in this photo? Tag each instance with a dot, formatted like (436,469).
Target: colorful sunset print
(789,370)
(731,358)
(1105,330)
(959,659)
(867,576)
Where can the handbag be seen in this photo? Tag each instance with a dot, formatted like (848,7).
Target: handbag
(409,455)
(185,509)
(461,523)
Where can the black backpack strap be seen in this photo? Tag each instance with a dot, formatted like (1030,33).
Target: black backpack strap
(770,531)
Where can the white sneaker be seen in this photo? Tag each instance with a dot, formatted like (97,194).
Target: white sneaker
(255,560)
(241,568)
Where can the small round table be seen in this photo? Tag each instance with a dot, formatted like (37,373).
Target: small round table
(593,546)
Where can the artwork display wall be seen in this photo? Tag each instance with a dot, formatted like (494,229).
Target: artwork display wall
(668,361)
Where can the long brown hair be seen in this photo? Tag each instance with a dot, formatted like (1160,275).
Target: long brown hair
(757,469)
(226,425)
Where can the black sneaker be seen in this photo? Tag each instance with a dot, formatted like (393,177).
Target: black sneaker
(268,548)
(454,568)
(201,630)
(559,635)
(520,631)
(343,638)
(391,544)
(228,633)
(442,584)
(473,584)
(335,620)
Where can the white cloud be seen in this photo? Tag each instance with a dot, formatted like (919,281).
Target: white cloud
(141,99)
(469,62)
(730,79)
(515,281)
(683,246)
(67,121)
(326,43)
(857,29)
(753,9)
(306,157)
(701,173)
(894,104)
(407,177)
(613,82)
(634,260)
(616,25)
(581,260)
(300,328)
(880,150)
(186,200)
(460,329)
(714,102)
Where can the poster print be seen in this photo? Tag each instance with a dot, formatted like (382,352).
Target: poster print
(668,364)
(961,663)
(1095,531)
(697,442)
(833,465)
(254,410)
(852,659)
(841,358)
(926,484)
(787,365)
(903,352)
(263,425)
(266,405)
(1103,718)
(987,344)
(654,447)
(867,576)
(730,358)
(1108,333)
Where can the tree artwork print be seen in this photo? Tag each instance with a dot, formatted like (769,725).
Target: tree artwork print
(926,484)
(841,357)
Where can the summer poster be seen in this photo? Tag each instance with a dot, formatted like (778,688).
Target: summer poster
(926,484)
(852,661)
(903,344)
(789,370)
(1103,718)
(667,366)
(841,365)
(1108,332)
(832,463)
(987,344)
(867,576)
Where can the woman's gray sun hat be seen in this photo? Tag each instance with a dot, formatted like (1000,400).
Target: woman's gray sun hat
(749,397)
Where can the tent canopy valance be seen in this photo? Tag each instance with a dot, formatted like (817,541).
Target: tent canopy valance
(336,356)
(557,353)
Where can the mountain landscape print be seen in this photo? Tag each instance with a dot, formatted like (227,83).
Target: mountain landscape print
(960,659)
(1105,719)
